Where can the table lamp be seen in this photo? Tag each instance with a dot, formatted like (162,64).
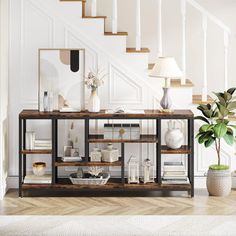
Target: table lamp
(167,68)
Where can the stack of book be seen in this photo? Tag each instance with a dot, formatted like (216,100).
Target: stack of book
(37,144)
(42,144)
(174,173)
(33,179)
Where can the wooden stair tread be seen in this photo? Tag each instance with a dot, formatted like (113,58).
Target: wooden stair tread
(197,99)
(94,17)
(176,83)
(133,50)
(150,66)
(116,34)
(232,118)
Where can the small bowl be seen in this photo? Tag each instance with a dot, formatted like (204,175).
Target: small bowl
(39,168)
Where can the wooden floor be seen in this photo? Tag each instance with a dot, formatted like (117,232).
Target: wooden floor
(151,204)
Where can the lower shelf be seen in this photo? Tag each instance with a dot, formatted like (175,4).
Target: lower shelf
(64,183)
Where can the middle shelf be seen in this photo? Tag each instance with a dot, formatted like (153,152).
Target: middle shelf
(99,138)
(59,162)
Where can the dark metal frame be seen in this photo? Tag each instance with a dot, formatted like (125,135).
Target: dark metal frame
(54,133)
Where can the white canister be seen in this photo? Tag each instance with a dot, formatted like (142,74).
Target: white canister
(96,155)
(110,154)
(174,137)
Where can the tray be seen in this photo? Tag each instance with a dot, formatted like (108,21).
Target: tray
(84,181)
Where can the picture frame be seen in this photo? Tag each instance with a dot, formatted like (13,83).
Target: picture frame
(61,79)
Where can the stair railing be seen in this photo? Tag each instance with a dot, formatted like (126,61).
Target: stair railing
(206,17)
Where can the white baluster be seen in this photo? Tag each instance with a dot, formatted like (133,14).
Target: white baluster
(183,12)
(226,46)
(159,43)
(94,8)
(138,25)
(204,90)
(114,17)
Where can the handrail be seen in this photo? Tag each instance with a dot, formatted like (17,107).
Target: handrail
(209,15)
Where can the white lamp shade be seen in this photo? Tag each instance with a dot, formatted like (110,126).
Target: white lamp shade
(166,67)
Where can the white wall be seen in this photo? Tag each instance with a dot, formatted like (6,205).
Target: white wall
(3,95)
(172,41)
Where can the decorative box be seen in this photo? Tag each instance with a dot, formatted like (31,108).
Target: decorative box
(96,155)
(122,131)
(110,154)
(108,131)
(135,132)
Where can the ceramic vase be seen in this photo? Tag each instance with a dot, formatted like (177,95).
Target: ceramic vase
(94,102)
(174,137)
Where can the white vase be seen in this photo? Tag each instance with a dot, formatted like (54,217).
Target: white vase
(174,137)
(94,102)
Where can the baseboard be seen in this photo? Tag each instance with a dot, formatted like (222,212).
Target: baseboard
(200,182)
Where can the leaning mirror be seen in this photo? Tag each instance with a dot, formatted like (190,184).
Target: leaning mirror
(61,79)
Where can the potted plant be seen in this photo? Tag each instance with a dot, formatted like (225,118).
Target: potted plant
(215,130)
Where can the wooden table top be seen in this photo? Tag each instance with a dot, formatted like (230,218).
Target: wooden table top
(148,114)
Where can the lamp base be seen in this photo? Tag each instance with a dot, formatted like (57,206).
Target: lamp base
(166,102)
(166,111)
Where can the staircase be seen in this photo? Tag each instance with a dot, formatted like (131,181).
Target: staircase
(183,83)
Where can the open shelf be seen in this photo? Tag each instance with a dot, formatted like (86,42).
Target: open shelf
(183,150)
(114,183)
(59,162)
(143,139)
(24,152)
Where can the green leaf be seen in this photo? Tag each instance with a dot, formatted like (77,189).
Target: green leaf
(227,96)
(202,119)
(231,106)
(209,142)
(231,90)
(221,98)
(202,107)
(220,130)
(207,113)
(204,137)
(223,110)
(229,138)
(222,121)
(204,128)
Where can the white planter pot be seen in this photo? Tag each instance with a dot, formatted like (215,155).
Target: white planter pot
(94,102)
(219,182)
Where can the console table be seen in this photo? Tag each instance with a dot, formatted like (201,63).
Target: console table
(114,184)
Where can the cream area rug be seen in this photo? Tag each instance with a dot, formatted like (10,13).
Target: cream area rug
(117,225)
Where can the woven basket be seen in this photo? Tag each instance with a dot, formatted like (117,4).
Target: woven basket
(219,182)
(91,181)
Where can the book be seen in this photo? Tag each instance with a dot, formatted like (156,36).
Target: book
(174,168)
(174,177)
(42,148)
(33,179)
(174,173)
(43,141)
(173,163)
(71,159)
(175,181)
